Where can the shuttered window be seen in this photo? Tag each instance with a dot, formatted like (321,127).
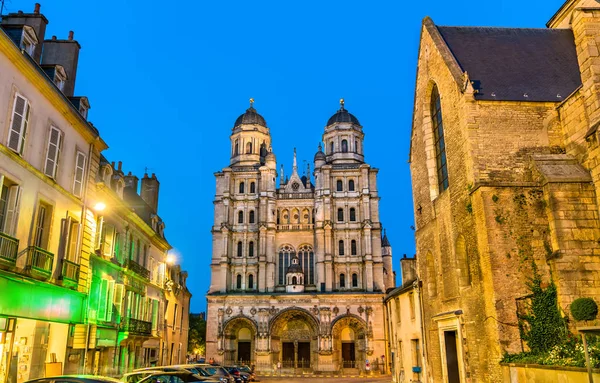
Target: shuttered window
(9,203)
(18,124)
(53,152)
(79,174)
(118,299)
(154,315)
(103,293)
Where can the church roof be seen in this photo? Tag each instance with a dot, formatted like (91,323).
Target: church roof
(516,64)
(250,117)
(342,115)
(385,241)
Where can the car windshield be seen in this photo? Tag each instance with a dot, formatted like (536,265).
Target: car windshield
(212,370)
(244,368)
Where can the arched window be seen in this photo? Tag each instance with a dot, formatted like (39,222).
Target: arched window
(342,280)
(251,249)
(286,253)
(251,217)
(252,187)
(438,137)
(353,247)
(352,214)
(356,146)
(250,281)
(344,146)
(239,249)
(240,217)
(339,185)
(241,187)
(294,280)
(306,258)
(238,281)
(236,148)
(354,280)
(351,185)
(341,247)
(249,148)
(331,148)
(340,215)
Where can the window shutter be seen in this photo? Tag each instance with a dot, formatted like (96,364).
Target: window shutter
(79,174)
(54,144)
(102,300)
(109,233)
(73,240)
(64,237)
(12,208)
(109,300)
(18,125)
(154,314)
(118,298)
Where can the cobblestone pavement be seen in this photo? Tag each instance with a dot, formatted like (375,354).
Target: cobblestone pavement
(326,379)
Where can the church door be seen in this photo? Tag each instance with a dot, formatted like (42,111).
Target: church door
(348,355)
(304,354)
(288,354)
(244,352)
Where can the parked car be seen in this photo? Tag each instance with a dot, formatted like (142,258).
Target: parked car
(217,371)
(75,379)
(248,370)
(240,377)
(180,376)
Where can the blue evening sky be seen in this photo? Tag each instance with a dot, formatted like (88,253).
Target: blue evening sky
(167,79)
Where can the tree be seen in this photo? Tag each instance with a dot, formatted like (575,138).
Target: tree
(197,335)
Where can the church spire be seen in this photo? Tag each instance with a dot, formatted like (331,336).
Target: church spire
(295,165)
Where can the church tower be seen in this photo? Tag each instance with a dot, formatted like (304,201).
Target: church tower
(297,271)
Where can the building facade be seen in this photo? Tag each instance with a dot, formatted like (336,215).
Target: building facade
(85,290)
(504,154)
(404,327)
(297,274)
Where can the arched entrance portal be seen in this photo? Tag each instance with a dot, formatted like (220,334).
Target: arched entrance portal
(294,335)
(239,335)
(349,343)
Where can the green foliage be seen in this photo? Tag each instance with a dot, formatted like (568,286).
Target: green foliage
(469,207)
(569,353)
(543,326)
(197,335)
(584,309)
(495,198)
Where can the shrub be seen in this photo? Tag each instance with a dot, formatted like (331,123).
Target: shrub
(584,309)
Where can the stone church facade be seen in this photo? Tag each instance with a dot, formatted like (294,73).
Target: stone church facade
(504,162)
(298,273)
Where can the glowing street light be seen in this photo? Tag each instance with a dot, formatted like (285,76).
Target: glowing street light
(100,206)
(170,259)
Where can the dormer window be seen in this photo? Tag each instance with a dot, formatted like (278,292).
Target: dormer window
(28,40)
(83,110)
(60,77)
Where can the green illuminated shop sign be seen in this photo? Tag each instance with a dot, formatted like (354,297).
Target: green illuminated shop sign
(37,300)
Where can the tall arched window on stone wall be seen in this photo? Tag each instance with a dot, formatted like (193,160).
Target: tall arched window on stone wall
(251,249)
(342,280)
(251,216)
(251,281)
(241,189)
(341,247)
(339,185)
(285,255)
(431,275)
(354,280)
(464,274)
(351,185)
(239,249)
(249,148)
(438,137)
(240,216)
(344,146)
(353,247)
(238,282)
(252,187)
(306,257)
(352,214)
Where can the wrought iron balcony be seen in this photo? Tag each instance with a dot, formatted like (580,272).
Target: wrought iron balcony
(136,326)
(138,269)
(39,262)
(70,273)
(8,249)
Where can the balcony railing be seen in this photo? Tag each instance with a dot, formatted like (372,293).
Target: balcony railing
(295,227)
(70,272)
(8,248)
(136,326)
(138,269)
(39,262)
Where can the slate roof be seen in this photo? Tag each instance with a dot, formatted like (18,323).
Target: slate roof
(516,64)
(251,116)
(342,115)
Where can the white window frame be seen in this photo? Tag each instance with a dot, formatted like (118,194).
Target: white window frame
(79,183)
(11,215)
(22,132)
(28,40)
(52,172)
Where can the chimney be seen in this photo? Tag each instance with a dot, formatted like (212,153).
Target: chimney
(131,182)
(149,192)
(409,269)
(35,20)
(65,53)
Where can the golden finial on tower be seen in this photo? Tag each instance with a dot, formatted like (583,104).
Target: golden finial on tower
(341,103)
(251,102)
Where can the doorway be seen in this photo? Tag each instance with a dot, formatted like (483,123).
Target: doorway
(451,357)
(287,357)
(304,354)
(348,355)
(244,352)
